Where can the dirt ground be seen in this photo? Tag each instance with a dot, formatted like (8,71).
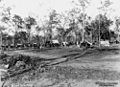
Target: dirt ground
(89,70)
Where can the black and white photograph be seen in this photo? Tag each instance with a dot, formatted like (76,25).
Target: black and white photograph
(59,43)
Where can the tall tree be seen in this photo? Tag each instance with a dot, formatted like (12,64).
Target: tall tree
(1,40)
(29,22)
(117,28)
(5,18)
(38,37)
(65,26)
(103,32)
(17,23)
(82,4)
(104,7)
(52,22)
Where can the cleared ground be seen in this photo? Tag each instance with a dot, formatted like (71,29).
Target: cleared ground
(72,67)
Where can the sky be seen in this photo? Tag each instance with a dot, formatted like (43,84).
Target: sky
(37,7)
(41,8)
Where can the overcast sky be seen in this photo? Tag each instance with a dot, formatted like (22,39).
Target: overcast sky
(41,7)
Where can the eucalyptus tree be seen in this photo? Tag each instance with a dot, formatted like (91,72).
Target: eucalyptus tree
(73,23)
(42,30)
(52,23)
(5,17)
(78,24)
(1,36)
(82,5)
(104,5)
(13,22)
(18,25)
(65,25)
(61,26)
(29,22)
(103,22)
(117,28)
(39,38)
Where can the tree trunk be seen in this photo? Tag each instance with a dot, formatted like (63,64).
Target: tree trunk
(83,33)
(29,35)
(118,37)
(83,36)
(1,50)
(99,37)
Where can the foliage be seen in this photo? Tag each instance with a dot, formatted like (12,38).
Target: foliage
(29,21)
(100,25)
(21,37)
(18,21)
(37,39)
(7,39)
(73,25)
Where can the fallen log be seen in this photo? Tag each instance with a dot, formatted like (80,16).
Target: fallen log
(51,63)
